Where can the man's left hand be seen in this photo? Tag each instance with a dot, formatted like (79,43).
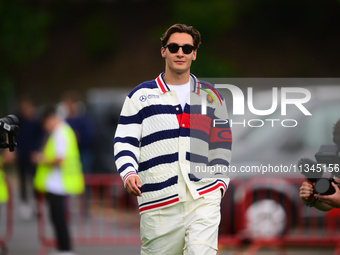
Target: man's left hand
(333,200)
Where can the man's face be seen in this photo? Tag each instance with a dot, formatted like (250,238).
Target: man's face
(49,123)
(179,62)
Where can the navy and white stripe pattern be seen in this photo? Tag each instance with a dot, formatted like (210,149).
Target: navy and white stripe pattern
(152,141)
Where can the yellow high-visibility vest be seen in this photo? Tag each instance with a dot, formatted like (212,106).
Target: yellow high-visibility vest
(71,170)
(3,186)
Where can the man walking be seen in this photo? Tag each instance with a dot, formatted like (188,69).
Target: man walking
(166,130)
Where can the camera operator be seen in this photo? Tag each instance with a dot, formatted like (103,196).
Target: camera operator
(323,202)
(9,128)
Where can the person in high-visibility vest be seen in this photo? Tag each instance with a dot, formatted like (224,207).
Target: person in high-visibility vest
(6,157)
(3,185)
(58,174)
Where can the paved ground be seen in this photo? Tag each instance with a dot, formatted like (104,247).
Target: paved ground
(24,241)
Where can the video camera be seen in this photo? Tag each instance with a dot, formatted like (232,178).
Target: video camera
(9,125)
(328,156)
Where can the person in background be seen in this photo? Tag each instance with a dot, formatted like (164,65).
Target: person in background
(73,111)
(6,157)
(28,140)
(58,174)
(323,202)
(3,185)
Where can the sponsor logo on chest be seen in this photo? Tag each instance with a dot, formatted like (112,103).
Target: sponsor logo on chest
(143,98)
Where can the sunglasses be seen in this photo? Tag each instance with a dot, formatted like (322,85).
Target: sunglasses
(174,47)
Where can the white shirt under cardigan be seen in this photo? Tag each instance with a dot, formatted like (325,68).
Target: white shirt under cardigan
(182,92)
(152,141)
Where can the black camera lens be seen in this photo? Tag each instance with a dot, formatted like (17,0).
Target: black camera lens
(8,125)
(324,187)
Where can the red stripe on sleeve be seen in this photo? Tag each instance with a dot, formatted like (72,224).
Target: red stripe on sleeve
(129,175)
(213,188)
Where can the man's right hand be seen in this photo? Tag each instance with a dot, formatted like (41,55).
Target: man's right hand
(306,191)
(133,186)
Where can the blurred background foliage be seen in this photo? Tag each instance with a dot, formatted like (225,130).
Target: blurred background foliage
(23,33)
(99,41)
(23,37)
(48,46)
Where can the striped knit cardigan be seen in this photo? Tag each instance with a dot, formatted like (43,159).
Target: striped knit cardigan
(163,145)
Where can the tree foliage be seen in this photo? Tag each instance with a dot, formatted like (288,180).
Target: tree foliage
(23,30)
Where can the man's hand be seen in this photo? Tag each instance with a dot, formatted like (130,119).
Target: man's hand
(332,200)
(133,186)
(36,157)
(306,191)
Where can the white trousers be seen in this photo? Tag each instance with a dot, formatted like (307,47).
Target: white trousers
(188,228)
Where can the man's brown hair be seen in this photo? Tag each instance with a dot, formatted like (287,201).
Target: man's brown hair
(181,28)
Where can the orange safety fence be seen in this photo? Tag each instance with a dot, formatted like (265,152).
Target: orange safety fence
(6,220)
(256,214)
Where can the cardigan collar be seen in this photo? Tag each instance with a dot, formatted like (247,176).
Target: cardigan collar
(163,87)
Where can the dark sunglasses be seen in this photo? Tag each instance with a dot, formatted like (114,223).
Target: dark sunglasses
(174,47)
